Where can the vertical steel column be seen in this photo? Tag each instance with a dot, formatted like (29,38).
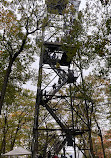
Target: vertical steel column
(37,104)
(72,120)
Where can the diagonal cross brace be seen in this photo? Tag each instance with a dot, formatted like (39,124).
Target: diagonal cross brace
(55,117)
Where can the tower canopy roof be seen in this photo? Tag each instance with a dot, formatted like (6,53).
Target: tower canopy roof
(18,151)
(58,6)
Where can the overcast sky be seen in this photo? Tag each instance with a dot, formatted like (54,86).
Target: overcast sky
(82,4)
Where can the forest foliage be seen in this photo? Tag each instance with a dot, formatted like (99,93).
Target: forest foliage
(91,38)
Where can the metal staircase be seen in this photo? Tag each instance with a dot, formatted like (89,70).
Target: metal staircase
(65,78)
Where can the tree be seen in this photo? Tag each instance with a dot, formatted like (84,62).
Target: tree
(17,122)
(17,47)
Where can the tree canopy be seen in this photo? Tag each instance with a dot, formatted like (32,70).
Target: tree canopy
(87,43)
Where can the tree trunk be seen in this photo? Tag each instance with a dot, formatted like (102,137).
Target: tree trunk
(3,144)
(91,144)
(13,142)
(102,144)
(100,134)
(6,77)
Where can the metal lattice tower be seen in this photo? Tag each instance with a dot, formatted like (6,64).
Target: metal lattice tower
(54,58)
